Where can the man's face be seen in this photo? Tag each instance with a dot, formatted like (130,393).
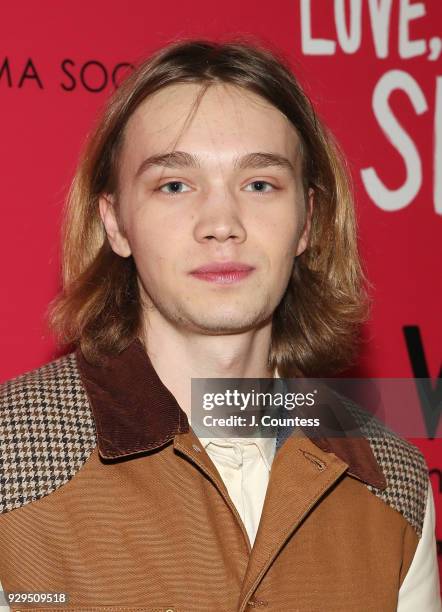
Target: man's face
(223,206)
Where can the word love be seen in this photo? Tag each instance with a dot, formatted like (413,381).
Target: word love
(349,37)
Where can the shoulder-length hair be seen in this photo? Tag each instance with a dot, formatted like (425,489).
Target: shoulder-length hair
(315,328)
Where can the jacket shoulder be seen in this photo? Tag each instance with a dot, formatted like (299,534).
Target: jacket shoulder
(403,465)
(47,431)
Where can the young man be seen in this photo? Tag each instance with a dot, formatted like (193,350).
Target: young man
(210,234)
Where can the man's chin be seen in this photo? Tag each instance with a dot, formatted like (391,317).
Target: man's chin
(228,325)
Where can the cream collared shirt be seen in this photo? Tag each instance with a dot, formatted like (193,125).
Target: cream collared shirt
(244,465)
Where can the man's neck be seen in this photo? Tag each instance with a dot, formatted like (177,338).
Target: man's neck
(179,355)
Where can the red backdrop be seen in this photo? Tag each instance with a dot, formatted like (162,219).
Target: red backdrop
(372,68)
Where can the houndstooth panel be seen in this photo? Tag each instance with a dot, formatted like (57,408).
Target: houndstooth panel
(47,431)
(402,463)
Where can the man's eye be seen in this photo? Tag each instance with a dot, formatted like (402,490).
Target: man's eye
(260,187)
(174,187)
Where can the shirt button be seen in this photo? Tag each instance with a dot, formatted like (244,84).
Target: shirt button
(197,448)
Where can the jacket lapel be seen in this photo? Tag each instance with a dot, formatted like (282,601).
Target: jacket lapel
(301,474)
(189,445)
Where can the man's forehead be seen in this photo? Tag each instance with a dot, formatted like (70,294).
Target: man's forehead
(224,116)
(181,96)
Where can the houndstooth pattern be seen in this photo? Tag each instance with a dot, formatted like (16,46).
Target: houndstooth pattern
(47,431)
(402,463)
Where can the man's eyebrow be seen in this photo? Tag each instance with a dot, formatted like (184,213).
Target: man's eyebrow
(181,159)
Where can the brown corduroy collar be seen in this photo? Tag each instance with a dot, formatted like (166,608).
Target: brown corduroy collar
(134,412)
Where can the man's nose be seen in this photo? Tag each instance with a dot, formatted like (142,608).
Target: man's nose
(219,218)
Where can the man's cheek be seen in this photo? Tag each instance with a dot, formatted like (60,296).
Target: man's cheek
(156,269)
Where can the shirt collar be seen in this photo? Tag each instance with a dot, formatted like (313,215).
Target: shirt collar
(266,446)
(134,412)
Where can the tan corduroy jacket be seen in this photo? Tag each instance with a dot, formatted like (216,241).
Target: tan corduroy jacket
(109,496)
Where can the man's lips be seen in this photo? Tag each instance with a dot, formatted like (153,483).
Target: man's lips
(225,272)
(223,268)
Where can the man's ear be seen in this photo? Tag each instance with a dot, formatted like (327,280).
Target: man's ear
(303,239)
(117,240)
